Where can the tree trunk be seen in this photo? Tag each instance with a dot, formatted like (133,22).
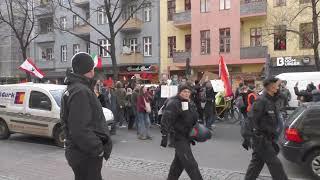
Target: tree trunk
(113,52)
(24,55)
(316,34)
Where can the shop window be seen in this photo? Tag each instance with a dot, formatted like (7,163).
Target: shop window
(280,38)
(306,35)
(225,37)
(205,42)
(255,37)
(279,2)
(171,9)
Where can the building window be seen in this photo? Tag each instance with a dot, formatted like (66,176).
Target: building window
(102,16)
(187,5)
(225,4)
(49,27)
(125,42)
(132,11)
(205,41)
(88,48)
(147,12)
(171,9)
(279,2)
(204,6)
(255,37)
(304,1)
(104,45)
(187,41)
(134,45)
(44,2)
(306,35)
(49,53)
(64,53)
(76,48)
(171,45)
(280,38)
(63,23)
(225,37)
(147,46)
(76,21)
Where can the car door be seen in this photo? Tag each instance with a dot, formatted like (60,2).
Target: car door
(311,125)
(38,113)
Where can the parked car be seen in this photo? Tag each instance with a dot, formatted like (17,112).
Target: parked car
(34,109)
(301,140)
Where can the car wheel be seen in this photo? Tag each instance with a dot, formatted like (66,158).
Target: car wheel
(4,130)
(313,164)
(59,137)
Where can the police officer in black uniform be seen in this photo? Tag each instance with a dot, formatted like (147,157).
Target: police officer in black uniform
(264,118)
(85,127)
(179,116)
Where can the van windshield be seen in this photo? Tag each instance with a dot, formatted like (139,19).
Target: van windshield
(57,95)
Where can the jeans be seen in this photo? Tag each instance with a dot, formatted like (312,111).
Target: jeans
(121,116)
(184,160)
(210,120)
(144,124)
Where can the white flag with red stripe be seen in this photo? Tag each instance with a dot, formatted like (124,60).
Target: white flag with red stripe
(29,67)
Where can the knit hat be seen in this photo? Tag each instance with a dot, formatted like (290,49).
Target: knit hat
(183,87)
(82,63)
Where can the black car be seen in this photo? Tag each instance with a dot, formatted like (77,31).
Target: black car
(301,139)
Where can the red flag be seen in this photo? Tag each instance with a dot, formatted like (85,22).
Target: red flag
(224,75)
(29,67)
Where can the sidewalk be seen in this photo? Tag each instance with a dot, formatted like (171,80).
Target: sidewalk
(54,167)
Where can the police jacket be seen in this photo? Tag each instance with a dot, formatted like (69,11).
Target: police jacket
(178,119)
(83,120)
(265,115)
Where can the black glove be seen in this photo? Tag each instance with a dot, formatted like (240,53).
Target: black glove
(107,149)
(246,144)
(164,141)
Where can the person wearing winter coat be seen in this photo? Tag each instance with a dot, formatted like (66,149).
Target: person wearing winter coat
(304,95)
(87,138)
(143,109)
(120,93)
(316,94)
(210,106)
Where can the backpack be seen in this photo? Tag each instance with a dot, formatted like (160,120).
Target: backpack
(239,102)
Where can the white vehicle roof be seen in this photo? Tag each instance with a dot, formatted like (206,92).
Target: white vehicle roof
(300,76)
(48,87)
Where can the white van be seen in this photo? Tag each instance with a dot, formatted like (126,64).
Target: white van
(34,109)
(304,78)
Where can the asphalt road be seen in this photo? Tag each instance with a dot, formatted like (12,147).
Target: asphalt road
(24,157)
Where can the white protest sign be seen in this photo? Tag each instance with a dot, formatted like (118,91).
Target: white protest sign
(217,85)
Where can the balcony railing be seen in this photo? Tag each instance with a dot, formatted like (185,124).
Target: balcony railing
(49,64)
(181,56)
(45,37)
(182,19)
(132,58)
(250,8)
(83,29)
(253,52)
(134,24)
(81,3)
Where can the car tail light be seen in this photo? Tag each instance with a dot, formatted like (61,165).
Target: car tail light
(293,135)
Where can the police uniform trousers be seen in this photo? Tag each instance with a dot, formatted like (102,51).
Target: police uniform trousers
(84,167)
(265,152)
(184,160)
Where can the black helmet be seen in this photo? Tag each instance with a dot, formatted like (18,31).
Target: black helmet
(200,133)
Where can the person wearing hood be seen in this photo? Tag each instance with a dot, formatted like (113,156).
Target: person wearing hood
(304,95)
(86,132)
(316,94)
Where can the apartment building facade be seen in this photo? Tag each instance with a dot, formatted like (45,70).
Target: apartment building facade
(137,44)
(175,33)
